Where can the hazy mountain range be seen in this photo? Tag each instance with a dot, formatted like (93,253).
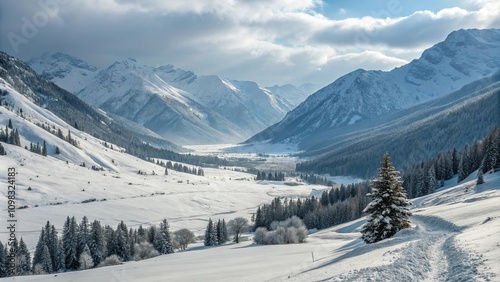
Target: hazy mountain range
(177,104)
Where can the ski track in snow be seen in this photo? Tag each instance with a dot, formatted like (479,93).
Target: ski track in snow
(430,253)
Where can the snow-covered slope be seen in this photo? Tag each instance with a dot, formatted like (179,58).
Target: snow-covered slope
(18,76)
(453,238)
(410,135)
(55,186)
(69,72)
(465,56)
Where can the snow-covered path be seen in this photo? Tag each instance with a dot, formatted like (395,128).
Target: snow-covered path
(426,252)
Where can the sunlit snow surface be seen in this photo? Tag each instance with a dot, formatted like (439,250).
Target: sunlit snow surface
(451,240)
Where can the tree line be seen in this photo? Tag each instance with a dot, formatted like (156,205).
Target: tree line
(11,136)
(345,203)
(409,141)
(335,206)
(178,167)
(427,176)
(280,176)
(87,244)
(276,176)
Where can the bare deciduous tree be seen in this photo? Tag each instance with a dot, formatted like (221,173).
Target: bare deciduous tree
(184,237)
(237,226)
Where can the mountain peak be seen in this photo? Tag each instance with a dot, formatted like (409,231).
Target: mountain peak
(67,71)
(59,59)
(491,36)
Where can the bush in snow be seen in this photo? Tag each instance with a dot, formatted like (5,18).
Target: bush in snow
(144,250)
(111,260)
(38,269)
(85,261)
(290,231)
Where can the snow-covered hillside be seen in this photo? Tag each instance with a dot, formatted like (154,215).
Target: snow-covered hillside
(56,186)
(465,56)
(453,238)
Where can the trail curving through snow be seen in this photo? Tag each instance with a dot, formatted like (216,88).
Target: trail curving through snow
(429,253)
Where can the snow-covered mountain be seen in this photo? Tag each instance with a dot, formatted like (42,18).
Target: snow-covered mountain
(410,135)
(294,94)
(246,104)
(175,103)
(465,56)
(135,92)
(69,72)
(18,76)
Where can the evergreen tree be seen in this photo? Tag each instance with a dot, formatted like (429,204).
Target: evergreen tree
(17,138)
(46,262)
(141,234)
(151,234)
(465,164)
(60,256)
(52,242)
(24,258)
(163,241)
(225,234)
(3,262)
(259,219)
(57,151)
(70,243)
(220,233)
(97,243)
(431,180)
(388,212)
(37,256)
(2,150)
(131,242)
(480,177)
(495,153)
(121,245)
(83,236)
(210,234)
(455,161)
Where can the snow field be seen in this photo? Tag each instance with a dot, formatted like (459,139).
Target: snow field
(450,241)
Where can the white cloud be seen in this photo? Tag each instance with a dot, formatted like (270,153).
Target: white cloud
(269,41)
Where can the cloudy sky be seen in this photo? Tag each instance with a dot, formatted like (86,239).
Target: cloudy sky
(268,41)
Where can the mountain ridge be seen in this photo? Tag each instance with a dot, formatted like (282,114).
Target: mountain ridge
(362,94)
(220,109)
